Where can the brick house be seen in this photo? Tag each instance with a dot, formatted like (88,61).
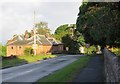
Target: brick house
(46,44)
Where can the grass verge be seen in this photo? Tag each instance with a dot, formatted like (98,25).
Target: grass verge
(6,63)
(31,58)
(24,59)
(67,73)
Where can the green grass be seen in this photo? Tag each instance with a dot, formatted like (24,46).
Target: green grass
(67,73)
(12,62)
(30,58)
(24,59)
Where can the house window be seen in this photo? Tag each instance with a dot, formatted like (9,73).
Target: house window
(11,47)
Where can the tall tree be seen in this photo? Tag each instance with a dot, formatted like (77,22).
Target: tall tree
(69,36)
(99,23)
(61,31)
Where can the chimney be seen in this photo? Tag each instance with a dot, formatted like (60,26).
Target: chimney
(26,36)
(32,33)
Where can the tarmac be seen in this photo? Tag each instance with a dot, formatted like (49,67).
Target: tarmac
(93,72)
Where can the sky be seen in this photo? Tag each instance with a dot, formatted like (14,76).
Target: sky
(16,17)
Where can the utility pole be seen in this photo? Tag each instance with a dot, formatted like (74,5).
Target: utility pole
(34,29)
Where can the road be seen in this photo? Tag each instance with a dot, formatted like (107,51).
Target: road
(34,71)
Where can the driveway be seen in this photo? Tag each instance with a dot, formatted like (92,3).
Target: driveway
(34,71)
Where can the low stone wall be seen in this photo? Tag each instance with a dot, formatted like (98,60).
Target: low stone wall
(112,67)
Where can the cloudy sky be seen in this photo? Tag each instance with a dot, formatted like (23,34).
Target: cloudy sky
(16,17)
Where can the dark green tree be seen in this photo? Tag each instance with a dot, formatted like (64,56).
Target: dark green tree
(61,31)
(99,23)
(71,38)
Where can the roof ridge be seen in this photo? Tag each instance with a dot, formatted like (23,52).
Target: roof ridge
(11,42)
(41,35)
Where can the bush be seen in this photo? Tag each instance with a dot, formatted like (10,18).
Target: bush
(44,58)
(2,50)
(91,50)
(28,51)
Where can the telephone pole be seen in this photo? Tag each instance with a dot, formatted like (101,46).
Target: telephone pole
(34,29)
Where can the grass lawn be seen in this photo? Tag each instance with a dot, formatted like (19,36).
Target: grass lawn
(24,59)
(67,73)
(30,58)
(12,62)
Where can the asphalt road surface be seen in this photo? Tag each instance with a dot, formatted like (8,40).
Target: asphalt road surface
(93,72)
(34,71)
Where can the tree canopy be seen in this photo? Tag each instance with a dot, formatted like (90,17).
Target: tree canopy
(71,38)
(61,31)
(99,22)
(42,28)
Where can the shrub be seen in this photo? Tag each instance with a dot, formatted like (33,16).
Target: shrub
(44,58)
(28,51)
(91,50)
(2,50)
